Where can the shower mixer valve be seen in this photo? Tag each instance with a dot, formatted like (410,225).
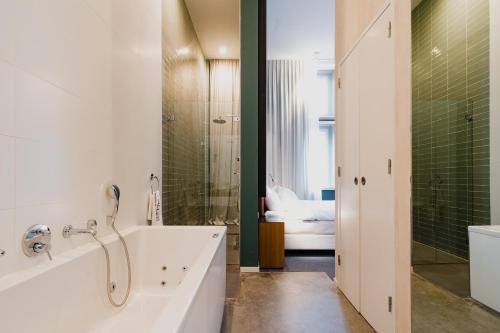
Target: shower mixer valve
(37,240)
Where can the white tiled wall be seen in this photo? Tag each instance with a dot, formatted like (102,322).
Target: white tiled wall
(80,108)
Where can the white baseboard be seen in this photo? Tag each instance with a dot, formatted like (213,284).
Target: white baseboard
(249,269)
(335,282)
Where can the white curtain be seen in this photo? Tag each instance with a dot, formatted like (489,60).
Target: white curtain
(224,135)
(287,126)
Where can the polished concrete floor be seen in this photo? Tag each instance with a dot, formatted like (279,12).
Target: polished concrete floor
(303,261)
(290,302)
(436,310)
(453,277)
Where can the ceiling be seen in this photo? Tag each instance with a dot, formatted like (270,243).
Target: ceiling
(300,29)
(217,24)
(295,28)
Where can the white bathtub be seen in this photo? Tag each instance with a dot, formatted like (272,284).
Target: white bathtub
(179,275)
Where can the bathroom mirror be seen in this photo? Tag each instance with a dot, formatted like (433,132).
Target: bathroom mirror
(455,169)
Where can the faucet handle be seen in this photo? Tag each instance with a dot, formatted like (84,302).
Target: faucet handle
(40,248)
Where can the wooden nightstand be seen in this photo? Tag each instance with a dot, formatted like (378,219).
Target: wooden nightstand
(272,244)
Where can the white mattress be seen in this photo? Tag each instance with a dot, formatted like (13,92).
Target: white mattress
(310,227)
(309,242)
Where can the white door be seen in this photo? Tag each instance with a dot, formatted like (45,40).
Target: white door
(377,141)
(348,123)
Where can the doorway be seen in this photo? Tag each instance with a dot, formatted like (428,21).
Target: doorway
(299,133)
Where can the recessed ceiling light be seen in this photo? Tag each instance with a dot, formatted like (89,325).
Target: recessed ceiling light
(183,51)
(222,50)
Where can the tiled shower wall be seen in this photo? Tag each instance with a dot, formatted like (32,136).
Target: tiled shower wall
(450,41)
(186,128)
(184,120)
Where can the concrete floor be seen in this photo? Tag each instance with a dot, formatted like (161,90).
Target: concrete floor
(232,281)
(303,262)
(290,302)
(436,310)
(452,277)
(308,302)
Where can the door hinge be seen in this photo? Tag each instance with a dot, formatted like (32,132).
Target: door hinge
(389,303)
(339,83)
(338,260)
(390,29)
(338,171)
(389,166)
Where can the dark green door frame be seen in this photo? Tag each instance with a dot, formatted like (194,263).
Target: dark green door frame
(252,128)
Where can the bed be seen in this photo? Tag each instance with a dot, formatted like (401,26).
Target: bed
(309,224)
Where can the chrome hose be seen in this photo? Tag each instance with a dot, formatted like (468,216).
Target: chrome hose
(109,287)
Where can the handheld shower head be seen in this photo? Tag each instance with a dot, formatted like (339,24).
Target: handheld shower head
(114,191)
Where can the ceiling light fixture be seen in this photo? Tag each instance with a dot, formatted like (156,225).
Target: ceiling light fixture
(183,51)
(222,50)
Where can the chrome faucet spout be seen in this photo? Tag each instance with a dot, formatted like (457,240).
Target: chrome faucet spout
(91,229)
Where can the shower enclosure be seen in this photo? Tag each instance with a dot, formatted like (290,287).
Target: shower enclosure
(224,136)
(450,131)
(201,131)
(202,152)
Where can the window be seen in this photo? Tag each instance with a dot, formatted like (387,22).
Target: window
(322,134)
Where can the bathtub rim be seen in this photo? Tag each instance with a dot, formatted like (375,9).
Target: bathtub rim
(19,277)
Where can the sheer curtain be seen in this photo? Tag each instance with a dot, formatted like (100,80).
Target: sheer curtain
(287,126)
(224,151)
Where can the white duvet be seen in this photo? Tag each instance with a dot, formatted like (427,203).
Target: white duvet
(305,210)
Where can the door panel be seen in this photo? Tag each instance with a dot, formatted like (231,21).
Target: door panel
(349,192)
(376,128)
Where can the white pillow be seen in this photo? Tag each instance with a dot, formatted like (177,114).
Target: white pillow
(286,195)
(273,201)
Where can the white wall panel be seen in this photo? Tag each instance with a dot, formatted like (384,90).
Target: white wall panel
(80,108)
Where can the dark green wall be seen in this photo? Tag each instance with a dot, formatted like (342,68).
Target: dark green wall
(249,253)
(450,121)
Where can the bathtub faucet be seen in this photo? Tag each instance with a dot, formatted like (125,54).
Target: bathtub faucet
(91,229)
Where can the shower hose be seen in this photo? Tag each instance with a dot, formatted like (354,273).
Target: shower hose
(109,286)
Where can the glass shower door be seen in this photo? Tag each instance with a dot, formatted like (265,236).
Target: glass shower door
(224,153)
(224,137)
(450,137)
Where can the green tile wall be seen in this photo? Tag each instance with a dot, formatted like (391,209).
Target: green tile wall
(450,51)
